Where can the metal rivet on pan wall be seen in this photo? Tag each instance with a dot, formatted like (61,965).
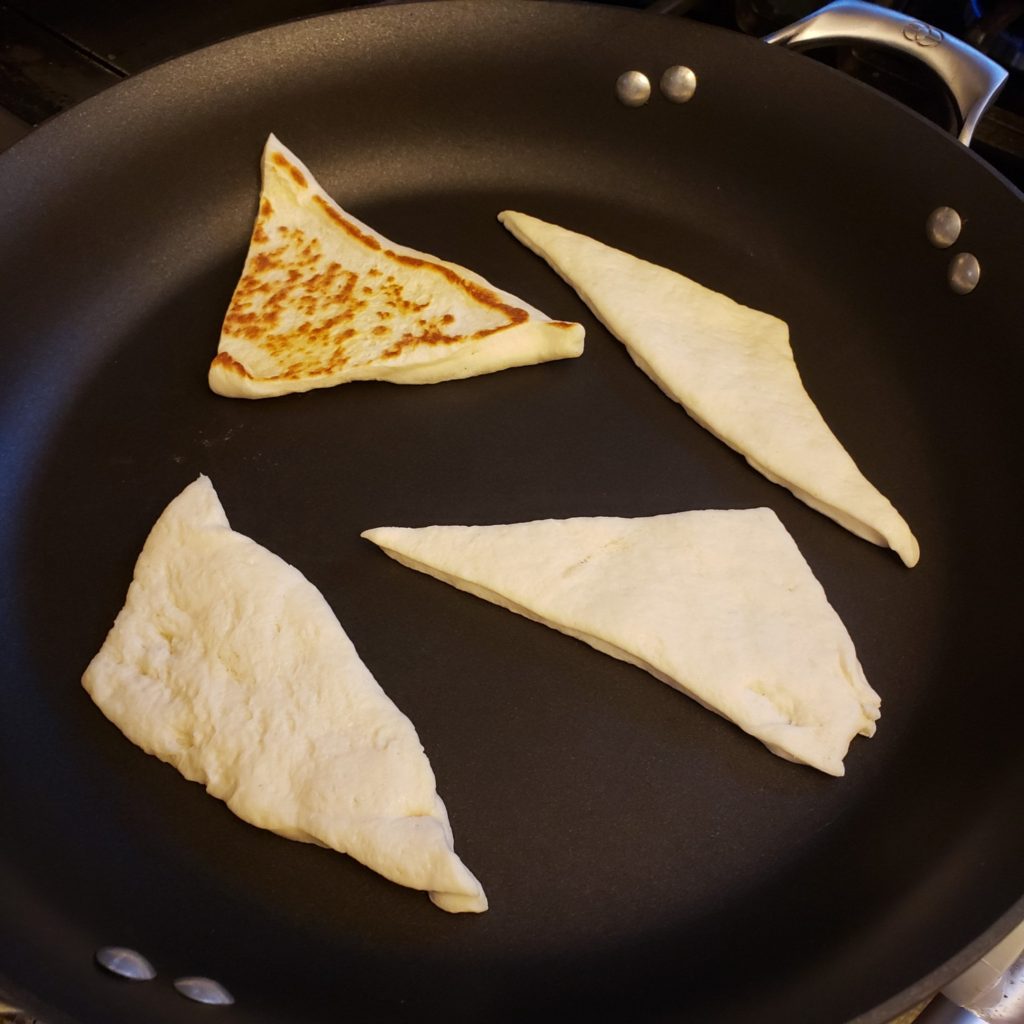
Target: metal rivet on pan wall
(633,88)
(125,963)
(964,273)
(943,227)
(204,990)
(679,83)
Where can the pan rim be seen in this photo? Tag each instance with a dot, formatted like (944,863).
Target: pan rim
(94,109)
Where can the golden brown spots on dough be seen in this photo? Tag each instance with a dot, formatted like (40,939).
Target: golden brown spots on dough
(285,164)
(225,361)
(393,297)
(343,222)
(430,335)
(484,296)
(260,264)
(311,316)
(259,234)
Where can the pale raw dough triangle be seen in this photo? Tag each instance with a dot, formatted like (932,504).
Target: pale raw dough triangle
(729,366)
(227,663)
(719,604)
(324,299)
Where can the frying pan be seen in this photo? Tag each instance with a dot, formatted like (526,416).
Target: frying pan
(644,859)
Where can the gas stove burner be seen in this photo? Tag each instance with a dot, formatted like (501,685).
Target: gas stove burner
(53,58)
(994,27)
(997,29)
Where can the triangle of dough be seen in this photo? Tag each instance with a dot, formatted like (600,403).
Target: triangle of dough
(227,663)
(324,299)
(730,367)
(719,604)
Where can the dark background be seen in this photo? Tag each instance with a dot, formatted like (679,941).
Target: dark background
(56,53)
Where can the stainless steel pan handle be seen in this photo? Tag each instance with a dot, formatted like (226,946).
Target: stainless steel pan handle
(973,80)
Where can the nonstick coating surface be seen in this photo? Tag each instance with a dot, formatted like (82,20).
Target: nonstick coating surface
(643,858)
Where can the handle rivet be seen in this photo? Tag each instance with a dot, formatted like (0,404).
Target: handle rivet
(633,88)
(204,990)
(125,963)
(943,227)
(679,83)
(964,273)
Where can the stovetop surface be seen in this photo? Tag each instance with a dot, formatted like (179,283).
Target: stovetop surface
(56,53)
